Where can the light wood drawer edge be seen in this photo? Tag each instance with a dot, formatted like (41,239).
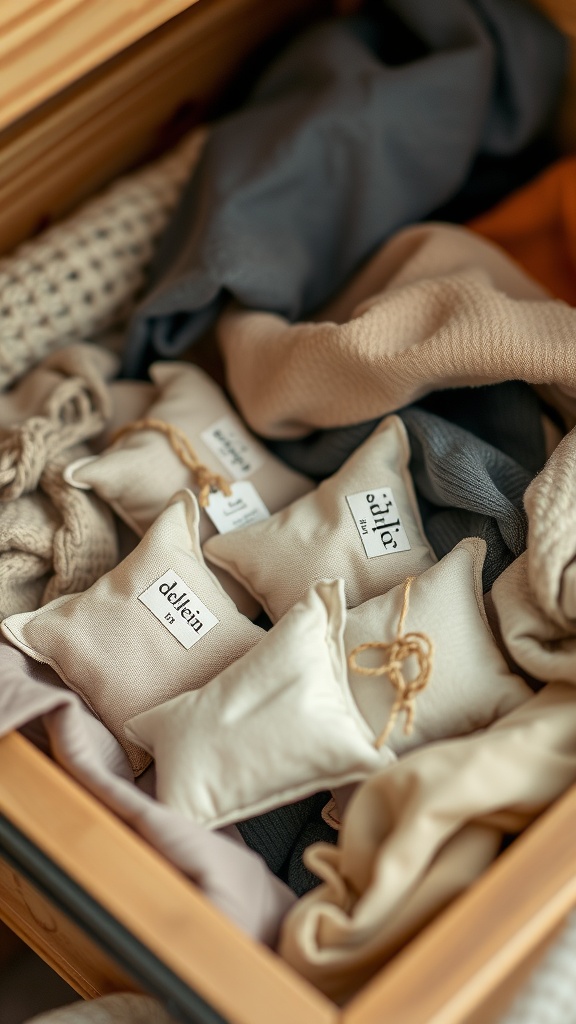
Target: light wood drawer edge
(56,939)
(240,978)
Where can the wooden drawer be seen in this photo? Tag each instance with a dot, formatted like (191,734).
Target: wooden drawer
(92,898)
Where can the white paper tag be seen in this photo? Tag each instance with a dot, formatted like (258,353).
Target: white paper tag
(178,609)
(378,523)
(232,444)
(242,509)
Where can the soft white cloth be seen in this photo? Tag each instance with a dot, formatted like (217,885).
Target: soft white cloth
(549,997)
(120,1008)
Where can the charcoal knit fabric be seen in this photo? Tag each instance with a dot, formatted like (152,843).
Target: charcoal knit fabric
(354,131)
(470,489)
(281,836)
(507,416)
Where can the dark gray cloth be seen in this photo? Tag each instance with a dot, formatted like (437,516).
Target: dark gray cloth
(470,489)
(281,836)
(507,416)
(470,465)
(347,137)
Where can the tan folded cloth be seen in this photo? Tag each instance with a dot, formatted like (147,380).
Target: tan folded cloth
(550,503)
(419,832)
(436,307)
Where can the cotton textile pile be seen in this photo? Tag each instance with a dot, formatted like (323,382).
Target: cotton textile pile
(306,620)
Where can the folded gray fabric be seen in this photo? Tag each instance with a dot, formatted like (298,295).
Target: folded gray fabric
(281,836)
(273,835)
(234,877)
(470,489)
(507,416)
(296,874)
(355,130)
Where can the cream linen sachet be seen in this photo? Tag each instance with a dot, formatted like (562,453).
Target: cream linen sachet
(276,726)
(155,625)
(142,469)
(430,635)
(362,524)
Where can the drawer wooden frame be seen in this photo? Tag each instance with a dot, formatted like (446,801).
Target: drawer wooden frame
(88,894)
(441,977)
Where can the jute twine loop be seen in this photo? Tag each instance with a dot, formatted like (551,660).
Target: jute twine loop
(205,479)
(399,650)
(70,417)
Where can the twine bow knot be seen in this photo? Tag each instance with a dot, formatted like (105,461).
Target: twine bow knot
(205,478)
(402,647)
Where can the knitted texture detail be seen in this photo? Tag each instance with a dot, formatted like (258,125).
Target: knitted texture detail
(84,274)
(56,541)
(550,504)
(436,307)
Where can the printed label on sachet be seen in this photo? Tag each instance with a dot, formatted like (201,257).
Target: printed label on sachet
(242,509)
(178,609)
(232,444)
(378,522)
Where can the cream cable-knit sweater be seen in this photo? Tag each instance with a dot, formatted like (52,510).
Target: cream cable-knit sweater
(436,307)
(84,274)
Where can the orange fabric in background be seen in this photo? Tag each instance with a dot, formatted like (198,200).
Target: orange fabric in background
(537,227)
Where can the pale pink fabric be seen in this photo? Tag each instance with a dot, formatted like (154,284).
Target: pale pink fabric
(235,878)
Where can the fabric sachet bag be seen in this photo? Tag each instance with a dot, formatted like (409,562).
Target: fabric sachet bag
(155,625)
(423,656)
(362,524)
(276,726)
(143,468)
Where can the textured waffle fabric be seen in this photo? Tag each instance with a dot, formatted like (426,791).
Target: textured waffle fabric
(372,99)
(83,275)
(436,307)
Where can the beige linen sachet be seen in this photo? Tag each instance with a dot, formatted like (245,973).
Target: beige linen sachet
(361,524)
(277,725)
(418,833)
(423,664)
(155,625)
(436,307)
(143,467)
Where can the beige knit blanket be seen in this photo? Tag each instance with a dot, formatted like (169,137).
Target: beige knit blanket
(436,307)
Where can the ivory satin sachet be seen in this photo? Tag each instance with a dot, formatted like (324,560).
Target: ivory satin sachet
(157,624)
(362,524)
(274,727)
